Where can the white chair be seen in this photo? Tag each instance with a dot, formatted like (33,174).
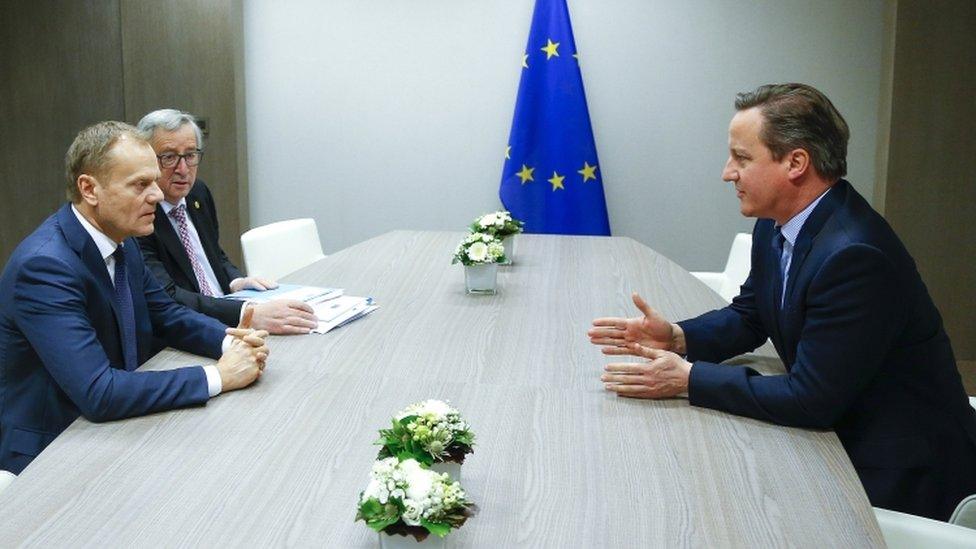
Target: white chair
(278,249)
(6,477)
(727,282)
(965,513)
(901,530)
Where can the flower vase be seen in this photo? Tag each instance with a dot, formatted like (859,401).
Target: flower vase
(452,468)
(509,243)
(481,278)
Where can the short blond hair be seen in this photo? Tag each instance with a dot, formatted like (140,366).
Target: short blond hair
(89,152)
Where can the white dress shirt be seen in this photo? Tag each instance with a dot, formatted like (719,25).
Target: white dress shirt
(106,247)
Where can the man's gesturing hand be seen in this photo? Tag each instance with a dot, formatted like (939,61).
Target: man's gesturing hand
(649,330)
(666,375)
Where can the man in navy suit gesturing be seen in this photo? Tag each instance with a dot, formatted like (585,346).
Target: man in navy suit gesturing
(834,288)
(79,310)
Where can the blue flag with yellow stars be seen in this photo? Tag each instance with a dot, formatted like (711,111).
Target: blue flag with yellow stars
(552,179)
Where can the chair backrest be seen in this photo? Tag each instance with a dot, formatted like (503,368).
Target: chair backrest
(902,530)
(738,265)
(278,249)
(6,477)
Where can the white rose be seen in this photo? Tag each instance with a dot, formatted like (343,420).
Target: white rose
(412,512)
(478,252)
(436,407)
(487,220)
(419,481)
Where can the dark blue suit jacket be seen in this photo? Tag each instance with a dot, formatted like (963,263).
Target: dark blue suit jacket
(865,354)
(60,341)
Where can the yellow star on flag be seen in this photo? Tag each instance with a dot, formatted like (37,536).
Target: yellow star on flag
(557,181)
(588,172)
(508,152)
(550,49)
(526,174)
(525,60)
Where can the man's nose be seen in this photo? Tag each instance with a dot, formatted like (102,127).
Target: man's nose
(729,173)
(181,166)
(155,194)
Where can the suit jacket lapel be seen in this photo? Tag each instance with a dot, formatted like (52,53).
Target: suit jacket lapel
(171,241)
(81,242)
(811,228)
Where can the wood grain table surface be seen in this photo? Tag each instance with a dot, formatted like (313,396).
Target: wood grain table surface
(558,461)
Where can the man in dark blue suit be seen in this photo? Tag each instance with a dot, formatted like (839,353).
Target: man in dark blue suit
(834,288)
(78,309)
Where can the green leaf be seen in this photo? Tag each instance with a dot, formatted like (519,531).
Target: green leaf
(437,528)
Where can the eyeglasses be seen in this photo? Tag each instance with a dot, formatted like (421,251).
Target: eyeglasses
(170,160)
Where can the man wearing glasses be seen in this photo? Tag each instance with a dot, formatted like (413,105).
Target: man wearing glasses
(184,253)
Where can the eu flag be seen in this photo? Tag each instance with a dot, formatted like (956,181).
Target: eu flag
(552,177)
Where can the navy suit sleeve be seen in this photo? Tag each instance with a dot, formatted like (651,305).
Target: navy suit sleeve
(181,327)
(852,316)
(50,308)
(724,333)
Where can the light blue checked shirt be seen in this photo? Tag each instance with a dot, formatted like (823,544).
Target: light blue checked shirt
(790,230)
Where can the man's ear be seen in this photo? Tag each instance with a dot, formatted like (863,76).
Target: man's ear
(87,187)
(799,163)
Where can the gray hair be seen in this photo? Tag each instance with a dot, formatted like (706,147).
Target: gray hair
(798,116)
(169,120)
(89,152)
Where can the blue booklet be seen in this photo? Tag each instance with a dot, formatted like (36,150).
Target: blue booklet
(308,294)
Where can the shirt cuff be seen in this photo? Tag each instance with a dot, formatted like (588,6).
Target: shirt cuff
(244,308)
(225,344)
(214,385)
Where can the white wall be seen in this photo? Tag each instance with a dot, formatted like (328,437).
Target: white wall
(373,115)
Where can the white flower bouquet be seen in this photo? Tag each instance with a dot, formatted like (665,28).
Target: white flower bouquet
(499,224)
(405,498)
(479,249)
(429,432)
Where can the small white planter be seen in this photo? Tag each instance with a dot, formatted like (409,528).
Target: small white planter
(509,243)
(407,542)
(481,279)
(452,468)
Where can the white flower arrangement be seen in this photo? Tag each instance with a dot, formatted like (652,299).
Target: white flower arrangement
(479,249)
(500,224)
(406,498)
(429,431)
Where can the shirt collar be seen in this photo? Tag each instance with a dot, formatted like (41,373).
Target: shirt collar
(106,246)
(791,229)
(167,207)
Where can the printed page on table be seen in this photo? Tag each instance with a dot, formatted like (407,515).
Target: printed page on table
(341,310)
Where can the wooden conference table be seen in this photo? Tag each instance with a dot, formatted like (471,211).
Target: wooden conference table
(559,462)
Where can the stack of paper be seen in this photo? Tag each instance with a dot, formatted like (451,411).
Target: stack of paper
(331,306)
(341,310)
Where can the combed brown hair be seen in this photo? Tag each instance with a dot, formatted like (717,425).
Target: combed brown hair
(88,153)
(798,116)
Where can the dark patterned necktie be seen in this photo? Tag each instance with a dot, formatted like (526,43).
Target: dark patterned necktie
(778,240)
(123,298)
(179,214)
